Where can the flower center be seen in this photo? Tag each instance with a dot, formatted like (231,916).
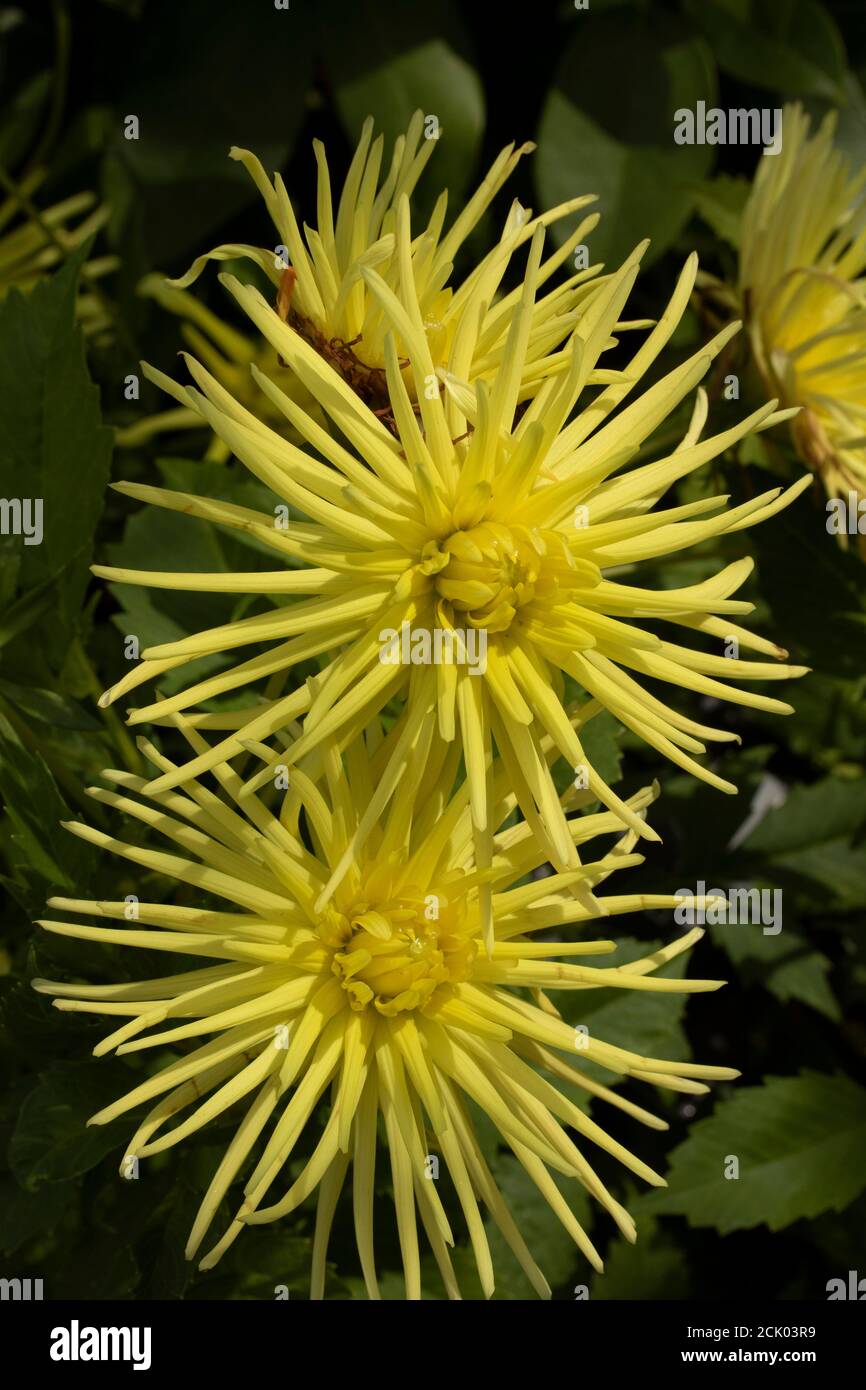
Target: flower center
(394,954)
(492,571)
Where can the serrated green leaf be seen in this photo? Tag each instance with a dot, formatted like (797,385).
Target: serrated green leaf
(801,1146)
(818,834)
(29,608)
(36,808)
(49,707)
(785,964)
(54,438)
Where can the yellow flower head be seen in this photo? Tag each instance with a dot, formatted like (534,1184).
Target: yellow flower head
(381,1001)
(320,276)
(801,277)
(480,518)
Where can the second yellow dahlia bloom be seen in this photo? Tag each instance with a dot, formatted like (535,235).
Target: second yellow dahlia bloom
(802,260)
(319,276)
(381,1004)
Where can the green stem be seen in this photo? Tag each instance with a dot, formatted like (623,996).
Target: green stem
(58,86)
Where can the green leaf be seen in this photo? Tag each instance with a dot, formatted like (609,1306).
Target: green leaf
(654,1268)
(720,202)
(228,483)
(392,1286)
(851,118)
(30,608)
(24,1215)
(388,63)
(154,539)
(54,438)
(36,808)
(785,964)
(841,1238)
(801,1146)
(49,707)
(817,834)
(591,141)
(438,80)
(37,1033)
(99,1267)
(199,85)
(802,975)
(258,1266)
(52,1140)
(169,1273)
(602,743)
(831,809)
(788,46)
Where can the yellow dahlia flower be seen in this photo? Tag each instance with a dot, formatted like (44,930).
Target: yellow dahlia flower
(381,1002)
(802,259)
(478,517)
(321,289)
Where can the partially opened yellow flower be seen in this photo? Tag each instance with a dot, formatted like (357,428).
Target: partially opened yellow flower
(380,1002)
(802,259)
(479,517)
(34,242)
(319,276)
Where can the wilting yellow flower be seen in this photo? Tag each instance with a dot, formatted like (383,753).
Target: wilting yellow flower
(34,242)
(802,258)
(477,517)
(320,277)
(380,1001)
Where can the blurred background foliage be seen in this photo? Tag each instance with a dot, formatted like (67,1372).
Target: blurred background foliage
(596,90)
